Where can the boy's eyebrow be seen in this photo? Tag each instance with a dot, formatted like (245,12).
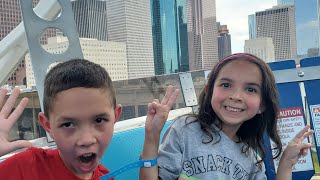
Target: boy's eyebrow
(65,118)
(102,115)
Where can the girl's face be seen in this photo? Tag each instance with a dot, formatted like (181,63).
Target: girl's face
(236,94)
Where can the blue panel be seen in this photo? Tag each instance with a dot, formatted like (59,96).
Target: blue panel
(307,62)
(290,96)
(126,148)
(312,92)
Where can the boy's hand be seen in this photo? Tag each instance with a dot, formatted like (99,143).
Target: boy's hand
(8,118)
(296,148)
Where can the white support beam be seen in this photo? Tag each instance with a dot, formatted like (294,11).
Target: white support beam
(14,46)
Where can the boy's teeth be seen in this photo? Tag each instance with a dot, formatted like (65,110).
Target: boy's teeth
(87,155)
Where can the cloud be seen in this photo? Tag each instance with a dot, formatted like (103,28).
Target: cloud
(234,14)
(308,25)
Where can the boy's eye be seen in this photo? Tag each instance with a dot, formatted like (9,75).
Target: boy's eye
(67,124)
(100,120)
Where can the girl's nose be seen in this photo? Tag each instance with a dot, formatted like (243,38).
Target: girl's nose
(236,95)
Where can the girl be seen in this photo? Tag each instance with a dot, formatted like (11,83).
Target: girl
(224,140)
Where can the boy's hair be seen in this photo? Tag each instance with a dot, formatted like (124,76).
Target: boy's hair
(251,131)
(72,74)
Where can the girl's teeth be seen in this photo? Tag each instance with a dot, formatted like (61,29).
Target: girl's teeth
(233,109)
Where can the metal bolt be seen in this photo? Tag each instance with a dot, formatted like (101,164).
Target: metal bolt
(300,73)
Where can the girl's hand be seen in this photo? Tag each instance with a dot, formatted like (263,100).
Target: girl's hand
(8,118)
(158,113)
(296,148)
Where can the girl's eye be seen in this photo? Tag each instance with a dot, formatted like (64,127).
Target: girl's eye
(67,125)
(225,85)
(250,89)
(100,120)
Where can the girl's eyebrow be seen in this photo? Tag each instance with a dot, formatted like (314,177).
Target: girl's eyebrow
(230,80)
(253,84)
(225,79)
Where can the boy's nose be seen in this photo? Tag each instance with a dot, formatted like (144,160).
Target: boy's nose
(86,138)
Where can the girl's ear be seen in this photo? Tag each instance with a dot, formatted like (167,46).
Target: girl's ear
(261,110)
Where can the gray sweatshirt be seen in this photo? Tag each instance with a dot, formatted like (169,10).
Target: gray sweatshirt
(182,154)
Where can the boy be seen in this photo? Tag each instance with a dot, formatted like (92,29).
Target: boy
(79,114)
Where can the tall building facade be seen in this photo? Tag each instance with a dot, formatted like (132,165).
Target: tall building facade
(202,34)
(252,26)
(10,18)
(261,47)
(307,28)
(130,22)
(279,24)
(286,2)
(91,18)
(110,55)
(182,35)
(165,36)
(224,41)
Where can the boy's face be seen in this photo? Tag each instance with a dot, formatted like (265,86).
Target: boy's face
(81,123)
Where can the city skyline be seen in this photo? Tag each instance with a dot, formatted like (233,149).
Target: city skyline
(235,15)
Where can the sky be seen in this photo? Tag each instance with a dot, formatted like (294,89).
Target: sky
(234,14)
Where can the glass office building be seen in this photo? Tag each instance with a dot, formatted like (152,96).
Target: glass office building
(182,36)
(307,28)
(165,36)
(252,26)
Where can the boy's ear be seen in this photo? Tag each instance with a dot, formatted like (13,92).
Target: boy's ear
(44,121)
(117,112)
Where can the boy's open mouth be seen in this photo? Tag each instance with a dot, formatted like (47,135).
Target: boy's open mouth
(87,158)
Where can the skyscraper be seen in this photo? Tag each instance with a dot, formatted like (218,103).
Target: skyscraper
(307,27)
(286,2)
(10,18)
(252,26)
(224,41)
(130,22)
(165,36)
(202,34)
(261,47)
(91,18)
(279,24)
(110,55)
(182,35)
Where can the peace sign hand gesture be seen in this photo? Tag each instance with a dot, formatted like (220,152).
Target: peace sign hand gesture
(158,112)
(156,118)
(8,118)
(295,149)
